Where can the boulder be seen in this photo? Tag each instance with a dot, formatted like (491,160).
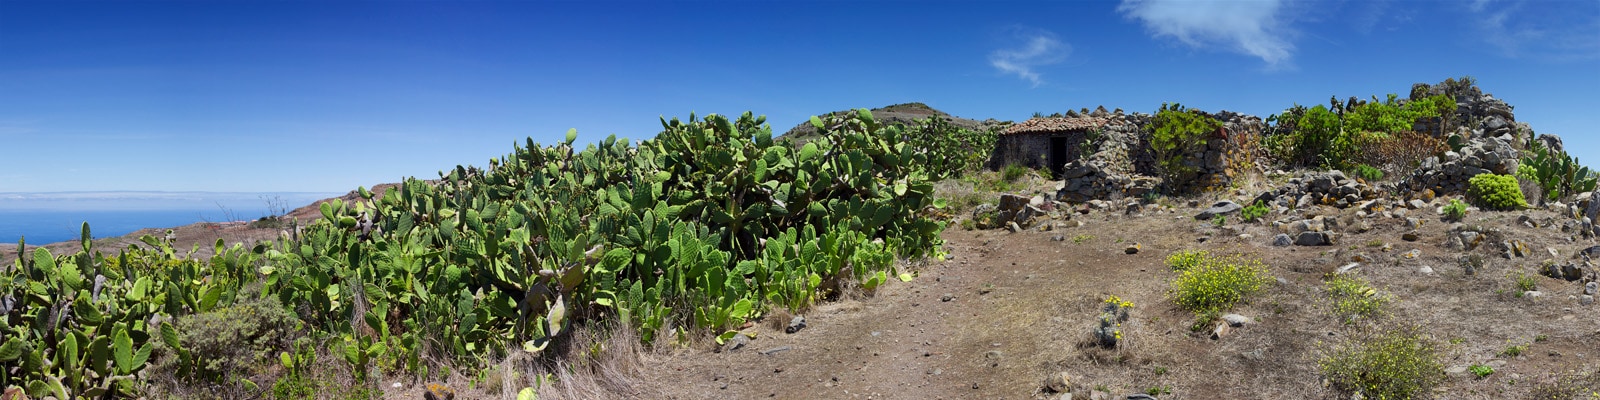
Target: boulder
(1313,239)
(1281,240)
(1220,208)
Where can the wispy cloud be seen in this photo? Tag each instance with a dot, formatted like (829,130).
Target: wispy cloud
(1250,27)
(1544,30)
(1029,49)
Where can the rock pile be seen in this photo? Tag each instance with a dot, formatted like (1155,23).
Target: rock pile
(1313,188)
(1092,180)
(1450,175)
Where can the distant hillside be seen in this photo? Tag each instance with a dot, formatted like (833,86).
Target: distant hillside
(906,113)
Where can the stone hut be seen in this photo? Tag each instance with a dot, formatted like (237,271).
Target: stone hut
(1047,142)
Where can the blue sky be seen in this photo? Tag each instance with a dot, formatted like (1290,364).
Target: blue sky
(242,96)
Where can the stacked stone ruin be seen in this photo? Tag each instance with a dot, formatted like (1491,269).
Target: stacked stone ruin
(1119,163)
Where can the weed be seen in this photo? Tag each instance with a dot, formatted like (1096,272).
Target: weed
(1160,371)
(1524,282)
(1158,390)
(1102,388)
(1456,210)
(1353,296)
(1219,221)
(1514,350)
(1481,370)
(1399,363)
(1082,238)
(1254,212)
(1540,338)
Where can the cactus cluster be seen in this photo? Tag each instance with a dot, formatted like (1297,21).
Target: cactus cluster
(695,231)
(85,324)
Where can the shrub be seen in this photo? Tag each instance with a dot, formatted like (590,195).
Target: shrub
(226,341)
(1353,296)
(1400,363)
(1456,210)
(1254,212)
(1218,283)
(1177,133)
(1368,173)
(1186,259)
(1493,191)
(1398,153)
(1013,171)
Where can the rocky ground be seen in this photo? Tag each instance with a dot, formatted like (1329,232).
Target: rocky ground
(1010,309)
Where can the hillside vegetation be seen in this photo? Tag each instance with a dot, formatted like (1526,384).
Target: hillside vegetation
(714,224)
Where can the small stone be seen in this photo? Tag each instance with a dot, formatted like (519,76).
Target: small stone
(438,391)
(1014,227)
(1411,255)
(1586,300)
(1058,238)
(1409,236)
(1131,249)
(1425,270)
(795,325)
(1532,294)
(1058,382)
(1348,268)
(1418,204)
(1236,320)
(739,341)
(1591,288)
(947,297)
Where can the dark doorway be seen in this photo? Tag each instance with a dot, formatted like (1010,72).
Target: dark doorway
(1058,154)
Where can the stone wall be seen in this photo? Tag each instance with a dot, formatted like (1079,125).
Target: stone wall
(1124,166)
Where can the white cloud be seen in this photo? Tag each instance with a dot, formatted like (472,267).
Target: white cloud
(1249,27)
(1031,48)
(1548,30)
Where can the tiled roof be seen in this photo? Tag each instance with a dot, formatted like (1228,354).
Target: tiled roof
(1047,125)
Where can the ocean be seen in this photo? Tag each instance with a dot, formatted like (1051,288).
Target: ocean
(44,218)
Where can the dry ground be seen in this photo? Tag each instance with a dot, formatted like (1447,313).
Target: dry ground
(1022,305)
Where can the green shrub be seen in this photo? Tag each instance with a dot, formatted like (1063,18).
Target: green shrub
(1177,133)
(1498,192)
(1254,212)
(1456,210)
(1401,363)
(1217,284)
(1368,173)
(1330,137)
(1353,296)
(1013,171)
(226,341)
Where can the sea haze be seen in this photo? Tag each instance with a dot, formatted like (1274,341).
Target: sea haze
(53,217)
